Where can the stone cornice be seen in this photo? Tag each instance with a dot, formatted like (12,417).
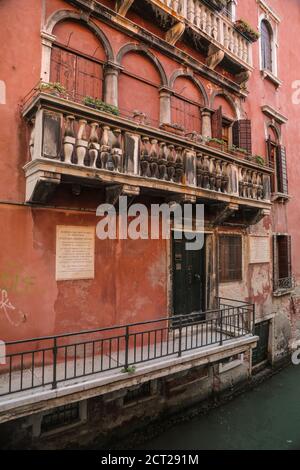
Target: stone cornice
(268,10)
(271,112)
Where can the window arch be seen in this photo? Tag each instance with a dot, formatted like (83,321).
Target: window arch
(139,84)
(77,59)
(266,42)
(186,103)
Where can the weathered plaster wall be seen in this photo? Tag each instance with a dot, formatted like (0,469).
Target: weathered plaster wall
(118,293)
(129,284)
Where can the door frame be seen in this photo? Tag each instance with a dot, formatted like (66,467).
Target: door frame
(170,283)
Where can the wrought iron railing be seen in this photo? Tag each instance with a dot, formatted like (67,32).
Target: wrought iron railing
(48,361)
(284,283)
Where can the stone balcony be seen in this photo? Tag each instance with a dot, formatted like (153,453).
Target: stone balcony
(73,143)
(210,31)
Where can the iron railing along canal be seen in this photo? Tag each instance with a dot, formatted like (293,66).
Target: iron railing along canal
(51,360)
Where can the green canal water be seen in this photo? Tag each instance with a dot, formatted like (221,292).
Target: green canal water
(267,417)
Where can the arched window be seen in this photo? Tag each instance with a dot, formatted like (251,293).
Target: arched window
(266,46)
(139,84)
(277,161)
(77,60)
(186,104)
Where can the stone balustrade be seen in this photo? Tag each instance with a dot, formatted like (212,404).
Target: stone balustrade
(117,146)
(214,25)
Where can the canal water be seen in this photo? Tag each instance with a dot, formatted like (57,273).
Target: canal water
(267,417)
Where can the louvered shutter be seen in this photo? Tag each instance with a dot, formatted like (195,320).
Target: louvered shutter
(216,124)
(282,179)
(289,255)
(241,134)
(88,78)
(275,263)
(269,153)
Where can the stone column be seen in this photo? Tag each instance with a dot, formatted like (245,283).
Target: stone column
(111,83)
(47,41)
(165,105)
(206,122)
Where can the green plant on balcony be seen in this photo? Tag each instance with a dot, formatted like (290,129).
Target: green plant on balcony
(238,150)
(100,105)
(250,33)
(259,160)
(54,88)
(174,128)
(217,143)
(128,370)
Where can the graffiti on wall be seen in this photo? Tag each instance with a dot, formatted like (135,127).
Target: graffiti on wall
(12,280)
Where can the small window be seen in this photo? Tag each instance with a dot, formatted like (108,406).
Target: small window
(282,263)
(266,46)
(60,417)
(139,393)
(230,258)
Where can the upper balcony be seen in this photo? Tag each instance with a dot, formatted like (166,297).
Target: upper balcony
(73,143)
(203,23)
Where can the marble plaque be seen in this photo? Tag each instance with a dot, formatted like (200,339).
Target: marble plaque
(75,252)
(259,249)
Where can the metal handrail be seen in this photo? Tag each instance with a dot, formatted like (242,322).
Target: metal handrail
(62,360)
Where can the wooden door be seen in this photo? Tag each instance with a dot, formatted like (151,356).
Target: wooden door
(188,279)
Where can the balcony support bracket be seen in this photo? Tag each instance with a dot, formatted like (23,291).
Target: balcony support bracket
(243,77)
(175,33)
(258,216)
(223,215)
(122,6)
(114,192)
(181,199)
(215,56)
(41,185)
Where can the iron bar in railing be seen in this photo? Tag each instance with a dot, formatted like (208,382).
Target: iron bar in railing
(59,358)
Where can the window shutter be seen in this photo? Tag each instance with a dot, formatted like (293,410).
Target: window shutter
(282,170)
(289,255)
(275,263)
(241,134)
(269,153)
(216,124)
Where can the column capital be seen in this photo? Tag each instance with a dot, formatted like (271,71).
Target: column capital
(112,68)
(206,111)
(165,89)
(47,38)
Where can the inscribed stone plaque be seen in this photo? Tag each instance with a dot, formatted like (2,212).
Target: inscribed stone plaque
(75,252)
(259,249)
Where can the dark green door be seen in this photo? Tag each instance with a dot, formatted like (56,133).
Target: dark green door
(188,279)
(260,353)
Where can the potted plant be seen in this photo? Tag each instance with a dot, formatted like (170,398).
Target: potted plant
(174,128)
(238,151)
(53,88)
(216,143)
(250,33)
(100,105)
